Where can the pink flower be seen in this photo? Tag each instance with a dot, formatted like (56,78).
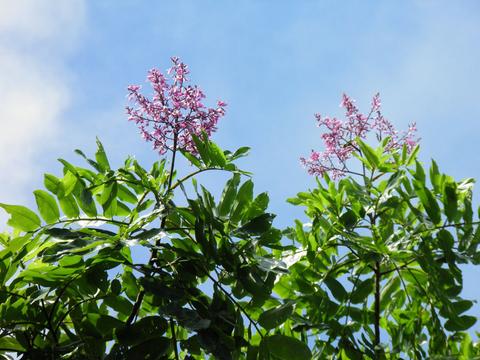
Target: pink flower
(376,103)
(340,135)
(175,112)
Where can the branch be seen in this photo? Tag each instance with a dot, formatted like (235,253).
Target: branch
(153,256)
(174,339)
(253,322)
(185,178)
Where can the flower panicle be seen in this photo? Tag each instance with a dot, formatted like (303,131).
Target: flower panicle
(339,137)
(176,111)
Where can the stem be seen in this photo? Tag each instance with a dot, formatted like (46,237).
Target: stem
(153,256)
(49,325)
(174,339)
(172,165)
(378,276)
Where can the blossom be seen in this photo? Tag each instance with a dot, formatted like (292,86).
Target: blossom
(339,137)
(175,112)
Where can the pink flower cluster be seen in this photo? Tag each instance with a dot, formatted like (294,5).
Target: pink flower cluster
(176,111)
(339,139)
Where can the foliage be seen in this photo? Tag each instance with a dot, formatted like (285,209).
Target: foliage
(71,289)
(131,263)
(381,260)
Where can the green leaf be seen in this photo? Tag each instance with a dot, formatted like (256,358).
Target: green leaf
(86,203)
(419,173)
(64,234)
(258,225)
(193,160)
(281,347)
(201,237)
(10,344)
(69,206)
(216,154)
(69,181)
(450,200)
(21,217)
(153,349)
(413,155)
(47,206)
(275,317)
(122,209)
(348,219)
(101,157)
(243,151)
(54,185)
(90,161)
(258,206)
(435,177)
(245,193)
(126,195)
(147,328)
(429,203)
(461,306)
(228,195)
(116,287)
(387,292)
(337,289)
(368,153)
(119,304)
(201,146)
(362,290)
(460,323)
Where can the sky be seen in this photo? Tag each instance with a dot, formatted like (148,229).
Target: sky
(65,66)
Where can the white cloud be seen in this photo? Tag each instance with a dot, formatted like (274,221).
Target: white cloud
(35,40)
(42,20)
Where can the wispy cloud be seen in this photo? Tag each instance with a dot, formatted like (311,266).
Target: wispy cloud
(36,38)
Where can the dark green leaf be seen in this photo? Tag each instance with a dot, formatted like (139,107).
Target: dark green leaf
(147,328)
(450,200)
(153,349)
(258,225)
(460,323)
(86,203)
(64,234)
(362,290)
(283,347)
(348,219)
(275,317)
(337,289)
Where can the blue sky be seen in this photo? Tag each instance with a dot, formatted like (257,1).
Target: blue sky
(64,67)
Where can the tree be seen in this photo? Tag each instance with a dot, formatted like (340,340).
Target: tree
(381,260)
(375,276)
